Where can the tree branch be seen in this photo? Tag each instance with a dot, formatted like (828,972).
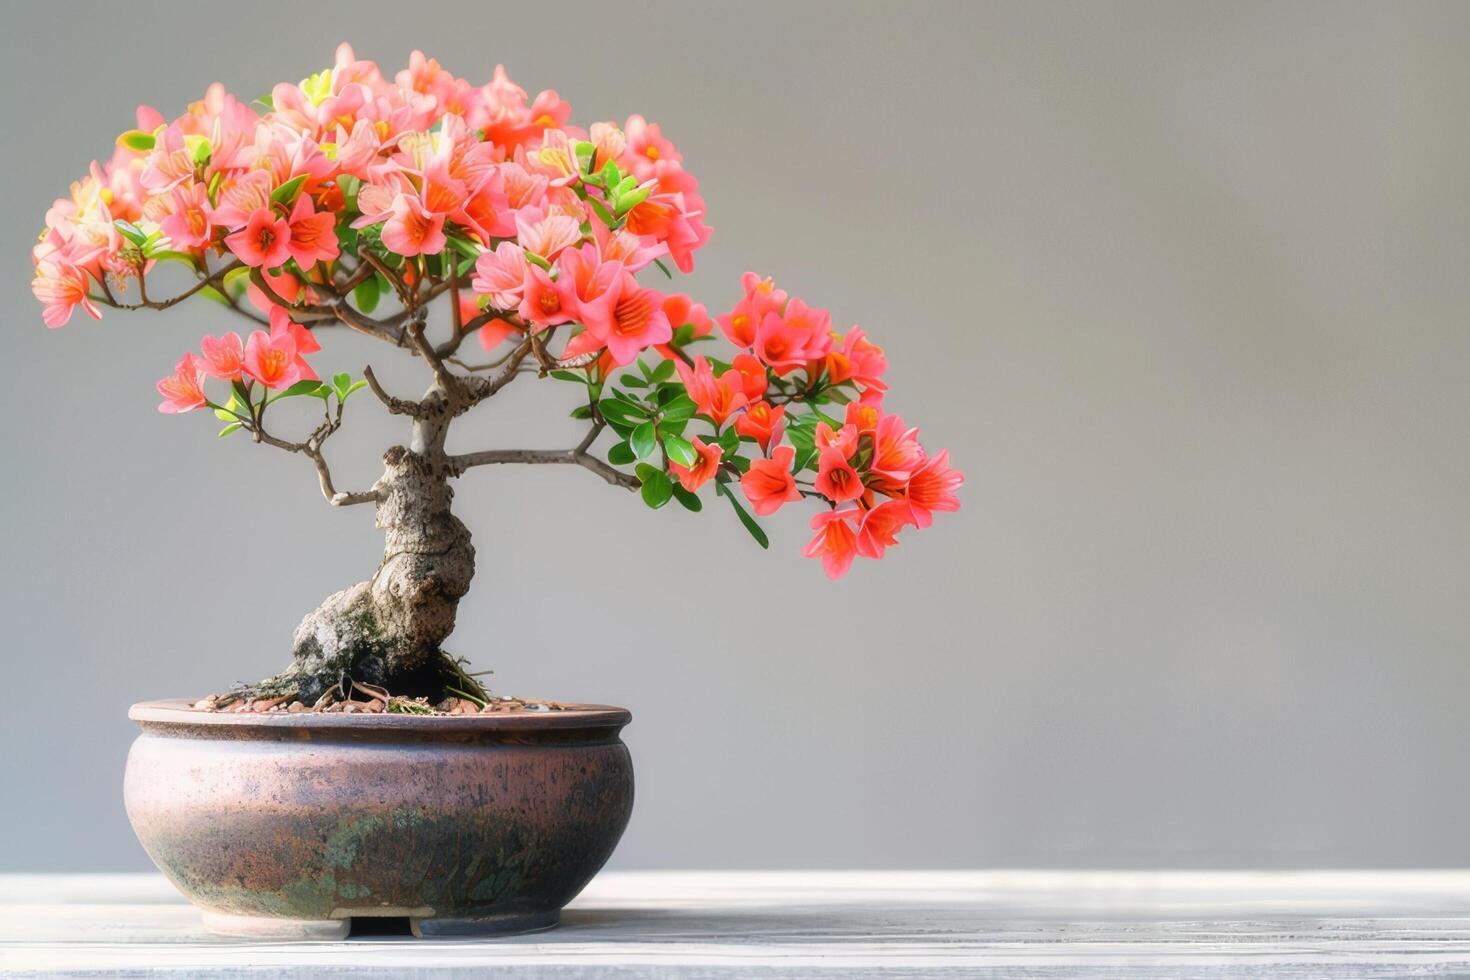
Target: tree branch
(395,406)
(577,456)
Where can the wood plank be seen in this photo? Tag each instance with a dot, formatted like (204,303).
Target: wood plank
(789,924)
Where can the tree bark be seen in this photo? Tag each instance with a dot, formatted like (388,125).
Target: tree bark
(389,631)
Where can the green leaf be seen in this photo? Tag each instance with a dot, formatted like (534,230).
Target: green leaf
(643,440)
(236,282)
(342,384)
(602,212)
(621,454)
(464,246)
(366,294)
(633,381)
(313,388)
(136,139)
(630,200)
(227,429)
(535,259)
(729,442)
(349,185)
(569,376)
(663,268)
(663,372)
(804,458)
(658,489)
(286,193)
(582,412)
(131,232)
(680,450)
(689,500)
(210,293)
(355,386)
(679,409)
(750,525)
(618,410)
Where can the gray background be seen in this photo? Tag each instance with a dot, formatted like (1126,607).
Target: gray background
(1183,287)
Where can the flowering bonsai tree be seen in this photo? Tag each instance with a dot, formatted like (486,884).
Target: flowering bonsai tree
(355,201)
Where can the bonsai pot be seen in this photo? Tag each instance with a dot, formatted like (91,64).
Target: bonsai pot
(295,824)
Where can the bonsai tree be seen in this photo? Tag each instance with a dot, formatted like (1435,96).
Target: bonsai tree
(356,201)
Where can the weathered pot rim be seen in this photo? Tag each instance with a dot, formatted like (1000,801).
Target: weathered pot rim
(179,712)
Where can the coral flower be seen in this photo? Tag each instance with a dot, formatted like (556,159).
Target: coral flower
(272,360)
(412,229)
(933,488)
(302,341)
(589,287)
(183,391)
(313,234)
(761,297)
(768,484)
(638,321)
(224,357)
(691,478)
(62,287)
(719,398)
(836,479)
(265,241)
(187,224)
(541,304)
(835,542)
(762,422)
(785,345)
(752,375)
(879,527)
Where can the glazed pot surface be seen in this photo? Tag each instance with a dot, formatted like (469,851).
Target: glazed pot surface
(278,823)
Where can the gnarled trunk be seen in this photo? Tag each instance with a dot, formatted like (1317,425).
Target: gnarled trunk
(389,630)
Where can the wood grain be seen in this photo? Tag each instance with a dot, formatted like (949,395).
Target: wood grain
(830,924)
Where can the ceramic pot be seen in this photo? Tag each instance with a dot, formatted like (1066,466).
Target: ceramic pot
(294,824)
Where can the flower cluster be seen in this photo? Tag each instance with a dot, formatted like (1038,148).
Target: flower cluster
(768,427)
(312,204)
(412,166)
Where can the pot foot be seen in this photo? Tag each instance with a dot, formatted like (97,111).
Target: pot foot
(500,925)
(270,927)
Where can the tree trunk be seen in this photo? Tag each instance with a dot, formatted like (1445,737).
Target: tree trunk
(389,630)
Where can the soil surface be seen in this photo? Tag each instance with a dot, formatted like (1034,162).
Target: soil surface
(369,699)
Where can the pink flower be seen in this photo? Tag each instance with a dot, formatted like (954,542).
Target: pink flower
(784,345)
(691,478)
(412,229)
(501,275)
(541,304)
(302,341)
(547,235)
(187,224)
(879,527)
(933,488)
(62,287)
(753,379)
(768,484)
(224,357)
(835,541)
(184,390)
(638,321)
(243,197)
(313,234)
(836,479)
(719,398)
(682,311)
(762,422)
(589,287)
(265,241)
(896,454)
(272,360)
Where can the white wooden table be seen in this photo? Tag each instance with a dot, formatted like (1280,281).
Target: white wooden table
(820,924)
